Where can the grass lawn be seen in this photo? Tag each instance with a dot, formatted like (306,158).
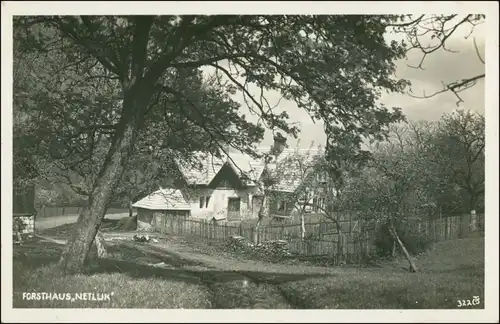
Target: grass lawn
(451,271)
(36,271)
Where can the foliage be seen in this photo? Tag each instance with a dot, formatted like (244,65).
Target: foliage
(90,85)
(460,146)
(50,198)
(428,166)
(421,170)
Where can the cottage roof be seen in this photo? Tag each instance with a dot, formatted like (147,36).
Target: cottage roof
(204,169)
(164,199)
(207,166)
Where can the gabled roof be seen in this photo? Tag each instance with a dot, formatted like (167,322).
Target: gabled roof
(245,165)
(164,199)
(207,166)
(290,177)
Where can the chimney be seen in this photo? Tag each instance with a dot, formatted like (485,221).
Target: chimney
(279,145)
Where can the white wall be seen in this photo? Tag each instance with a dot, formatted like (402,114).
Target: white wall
(218,202)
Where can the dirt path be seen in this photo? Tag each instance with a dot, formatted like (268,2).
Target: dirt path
(232,264)
(234,283)
(237,283)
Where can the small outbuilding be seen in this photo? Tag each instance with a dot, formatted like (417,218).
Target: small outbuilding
(162,209)
(24,211)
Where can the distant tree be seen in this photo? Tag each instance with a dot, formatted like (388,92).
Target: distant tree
(297,172)
(460,147)
(380,192)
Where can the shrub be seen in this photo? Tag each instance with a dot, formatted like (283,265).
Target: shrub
(415,244)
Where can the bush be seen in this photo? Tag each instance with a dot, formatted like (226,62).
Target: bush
(414,244)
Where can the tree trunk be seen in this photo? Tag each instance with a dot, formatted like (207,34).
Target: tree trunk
(89,221)
(256,232)
(262,213)
(101,246)
(472,201)
(413,267)
(341,247)
(130,208)
(302,226)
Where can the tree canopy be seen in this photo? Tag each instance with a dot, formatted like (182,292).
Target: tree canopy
(99,90)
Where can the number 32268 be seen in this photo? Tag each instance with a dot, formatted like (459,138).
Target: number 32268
(475,301)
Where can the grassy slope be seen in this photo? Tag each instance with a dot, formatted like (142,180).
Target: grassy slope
(450,271)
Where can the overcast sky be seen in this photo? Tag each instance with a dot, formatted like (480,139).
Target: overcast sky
(440,66)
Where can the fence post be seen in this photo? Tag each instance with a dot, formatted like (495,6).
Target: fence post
(434,230)
(445,228)
(473,221)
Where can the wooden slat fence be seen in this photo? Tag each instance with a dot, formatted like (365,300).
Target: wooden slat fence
(322,238)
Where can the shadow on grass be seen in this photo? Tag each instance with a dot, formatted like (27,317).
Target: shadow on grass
(145,253)
(130,258)
(36,253)
(135,259)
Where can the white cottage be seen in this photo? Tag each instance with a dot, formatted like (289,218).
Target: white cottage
(222,189)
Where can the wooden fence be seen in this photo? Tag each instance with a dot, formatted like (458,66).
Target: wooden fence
(446,228)
(322,238)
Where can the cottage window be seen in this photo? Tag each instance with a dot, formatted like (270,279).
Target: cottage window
(202,201)
(206,201)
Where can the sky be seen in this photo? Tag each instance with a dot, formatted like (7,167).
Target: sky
(440,66)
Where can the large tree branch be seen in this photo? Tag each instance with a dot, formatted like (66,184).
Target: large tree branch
(201,122)
(208,61)
(180,37)
(139,47)
(455,88)
(440,32)
(242,88)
